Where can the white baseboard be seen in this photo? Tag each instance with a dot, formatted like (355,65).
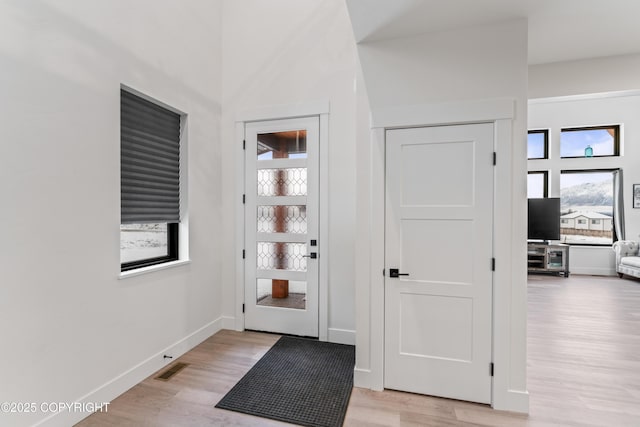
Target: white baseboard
(123,382)
(361,378)
(590,271)
(342,336)
(513,401)
(228,322)
(364,378)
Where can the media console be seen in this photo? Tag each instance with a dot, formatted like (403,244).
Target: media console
(548,258)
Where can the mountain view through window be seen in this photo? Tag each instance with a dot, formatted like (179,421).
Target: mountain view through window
(586,215)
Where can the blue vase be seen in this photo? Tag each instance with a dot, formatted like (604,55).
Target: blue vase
(588,152)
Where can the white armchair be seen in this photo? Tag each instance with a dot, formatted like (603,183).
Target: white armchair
(627,257)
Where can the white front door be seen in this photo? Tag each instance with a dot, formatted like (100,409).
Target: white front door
(281,226)
(439,210)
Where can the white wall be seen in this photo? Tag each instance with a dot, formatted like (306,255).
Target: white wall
(455,70)
(555,114)
(68,325)
(422,71)
(271,58)
(596,75)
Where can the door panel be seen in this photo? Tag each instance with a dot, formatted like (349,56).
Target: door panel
(449,341)
(425,162)
(281,218)
(439,200)
(432,249)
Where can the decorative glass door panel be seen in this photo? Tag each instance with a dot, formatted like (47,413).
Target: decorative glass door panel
(281,226)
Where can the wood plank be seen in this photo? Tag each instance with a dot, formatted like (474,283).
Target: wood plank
(583,370)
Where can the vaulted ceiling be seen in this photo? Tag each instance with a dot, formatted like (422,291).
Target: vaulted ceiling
(559,30)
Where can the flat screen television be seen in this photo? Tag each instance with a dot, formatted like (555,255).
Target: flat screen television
(544,219)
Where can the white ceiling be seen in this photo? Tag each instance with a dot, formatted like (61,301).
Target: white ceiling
(559,30)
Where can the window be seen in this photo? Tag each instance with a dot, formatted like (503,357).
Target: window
(597,141)
(149,182)
(587,197)
(537,184)
(538,144)
(290,145)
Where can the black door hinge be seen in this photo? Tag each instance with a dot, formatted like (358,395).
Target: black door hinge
(243,308)
(495,158)
(244,199)
(493,264)
(244,144)
(244,254)
(491,368)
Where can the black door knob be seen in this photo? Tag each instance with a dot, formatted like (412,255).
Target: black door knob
(394,272)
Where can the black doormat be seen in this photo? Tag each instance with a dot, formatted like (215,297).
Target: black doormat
(299,381)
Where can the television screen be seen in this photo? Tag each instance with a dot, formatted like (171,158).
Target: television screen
(544,219)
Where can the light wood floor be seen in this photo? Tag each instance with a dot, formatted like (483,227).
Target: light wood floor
(583,370)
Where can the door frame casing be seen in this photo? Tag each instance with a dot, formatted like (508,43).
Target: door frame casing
(282,112)
(509,339)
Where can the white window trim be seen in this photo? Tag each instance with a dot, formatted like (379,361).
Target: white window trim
(153,268)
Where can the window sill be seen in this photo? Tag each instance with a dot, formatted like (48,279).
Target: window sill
(152,268)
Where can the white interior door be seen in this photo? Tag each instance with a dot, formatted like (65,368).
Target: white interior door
(281,226)
(439,198)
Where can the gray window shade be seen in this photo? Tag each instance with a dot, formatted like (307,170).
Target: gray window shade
(149,162)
